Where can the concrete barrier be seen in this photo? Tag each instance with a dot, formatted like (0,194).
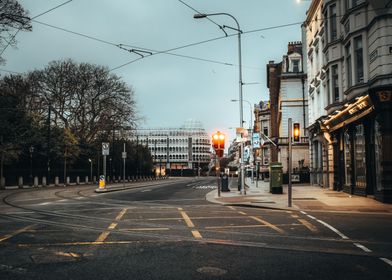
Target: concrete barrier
(77,180)
(35,182)
(44,183)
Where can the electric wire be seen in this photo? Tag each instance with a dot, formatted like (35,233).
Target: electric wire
(41,14)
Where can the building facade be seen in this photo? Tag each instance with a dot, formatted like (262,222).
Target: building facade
(262,126)
(287,83)
(356,76)
(176,150)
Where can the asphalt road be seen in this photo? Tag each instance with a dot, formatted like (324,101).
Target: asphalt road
(167,230)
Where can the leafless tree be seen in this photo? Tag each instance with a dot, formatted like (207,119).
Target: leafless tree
(13,18)
(85,98)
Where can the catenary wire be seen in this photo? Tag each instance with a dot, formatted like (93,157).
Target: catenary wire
(41,14)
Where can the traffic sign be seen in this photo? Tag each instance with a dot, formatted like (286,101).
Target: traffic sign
(124,154)
(105,148)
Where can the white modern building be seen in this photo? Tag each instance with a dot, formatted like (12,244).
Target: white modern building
(177,149)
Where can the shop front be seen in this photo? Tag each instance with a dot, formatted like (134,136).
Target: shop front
(361,134)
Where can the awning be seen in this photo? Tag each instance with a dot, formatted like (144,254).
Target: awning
(361,107)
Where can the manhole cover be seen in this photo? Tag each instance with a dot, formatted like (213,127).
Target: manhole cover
(213,271)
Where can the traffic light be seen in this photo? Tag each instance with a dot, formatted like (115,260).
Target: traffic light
(218,143)
(296,132)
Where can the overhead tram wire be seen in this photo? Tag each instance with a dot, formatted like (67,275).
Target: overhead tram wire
(41,14)
(180,47)
(193,9)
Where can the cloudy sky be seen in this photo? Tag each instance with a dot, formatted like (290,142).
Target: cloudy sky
(169,88)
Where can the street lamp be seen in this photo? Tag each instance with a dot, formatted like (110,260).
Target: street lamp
(91,170)
(238,29)
(31,150)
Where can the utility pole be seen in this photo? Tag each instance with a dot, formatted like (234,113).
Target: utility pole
(48,146)
(124,156)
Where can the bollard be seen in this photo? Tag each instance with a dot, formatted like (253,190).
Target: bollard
(56,181)
(20,182)
(77,180)
(44,182)
(68,180)
(35,182)
(86,180)
(2,183)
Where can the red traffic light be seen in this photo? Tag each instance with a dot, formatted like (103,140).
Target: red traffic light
(218,143)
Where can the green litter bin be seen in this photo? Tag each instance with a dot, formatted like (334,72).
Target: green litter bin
(276,178)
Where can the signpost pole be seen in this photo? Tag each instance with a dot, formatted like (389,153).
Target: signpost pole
(289,192)
(124,157)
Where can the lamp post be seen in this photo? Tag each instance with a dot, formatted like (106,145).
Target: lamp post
(31,150)
(238,29)
(91,170)
(251,132)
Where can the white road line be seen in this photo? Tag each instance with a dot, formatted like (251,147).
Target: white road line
(388,261)
(367,250)
(44,203)
(310,216)
(330,227)
(146,190)
(62,200)
(303,212)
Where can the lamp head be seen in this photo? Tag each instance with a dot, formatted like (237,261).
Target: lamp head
(197,16)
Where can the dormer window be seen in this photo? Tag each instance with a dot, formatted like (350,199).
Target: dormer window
(295,63)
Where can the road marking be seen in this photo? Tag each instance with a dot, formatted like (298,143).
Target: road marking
(242,213)
(44,203)
(367,250)
(102,237)
(388,261)
(268,224)
(295,216)
(112,226)
(311,227)
(146,191)
(186,218)
(89,243)
(143,229)
(232,208)
(303,212)
(329,226)
(196,234)
(73,255)
(8,236)
(189,223)
(249,226)
(121,214)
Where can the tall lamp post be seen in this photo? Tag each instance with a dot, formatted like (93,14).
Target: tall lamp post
(91,170)
(238,29)
(31,150)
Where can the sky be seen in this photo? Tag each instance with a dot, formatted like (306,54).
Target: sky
(169,89)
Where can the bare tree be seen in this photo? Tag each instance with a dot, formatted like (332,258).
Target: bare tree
(13,18)
(85,98)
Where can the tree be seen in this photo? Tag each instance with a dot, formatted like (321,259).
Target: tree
(13,18)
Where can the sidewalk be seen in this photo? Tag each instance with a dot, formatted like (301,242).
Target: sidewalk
(305,198)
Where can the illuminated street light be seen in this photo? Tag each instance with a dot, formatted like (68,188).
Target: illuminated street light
(238,29)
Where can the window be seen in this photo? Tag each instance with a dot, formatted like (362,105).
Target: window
(358,52)
(335,83)
(333,23)
(265,131)
(347,158)
(348,65)
(295,65)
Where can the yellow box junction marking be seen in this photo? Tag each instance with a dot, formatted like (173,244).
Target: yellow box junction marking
(189,223)
(311,227)
(102,237)
(8,236)
(268,224)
